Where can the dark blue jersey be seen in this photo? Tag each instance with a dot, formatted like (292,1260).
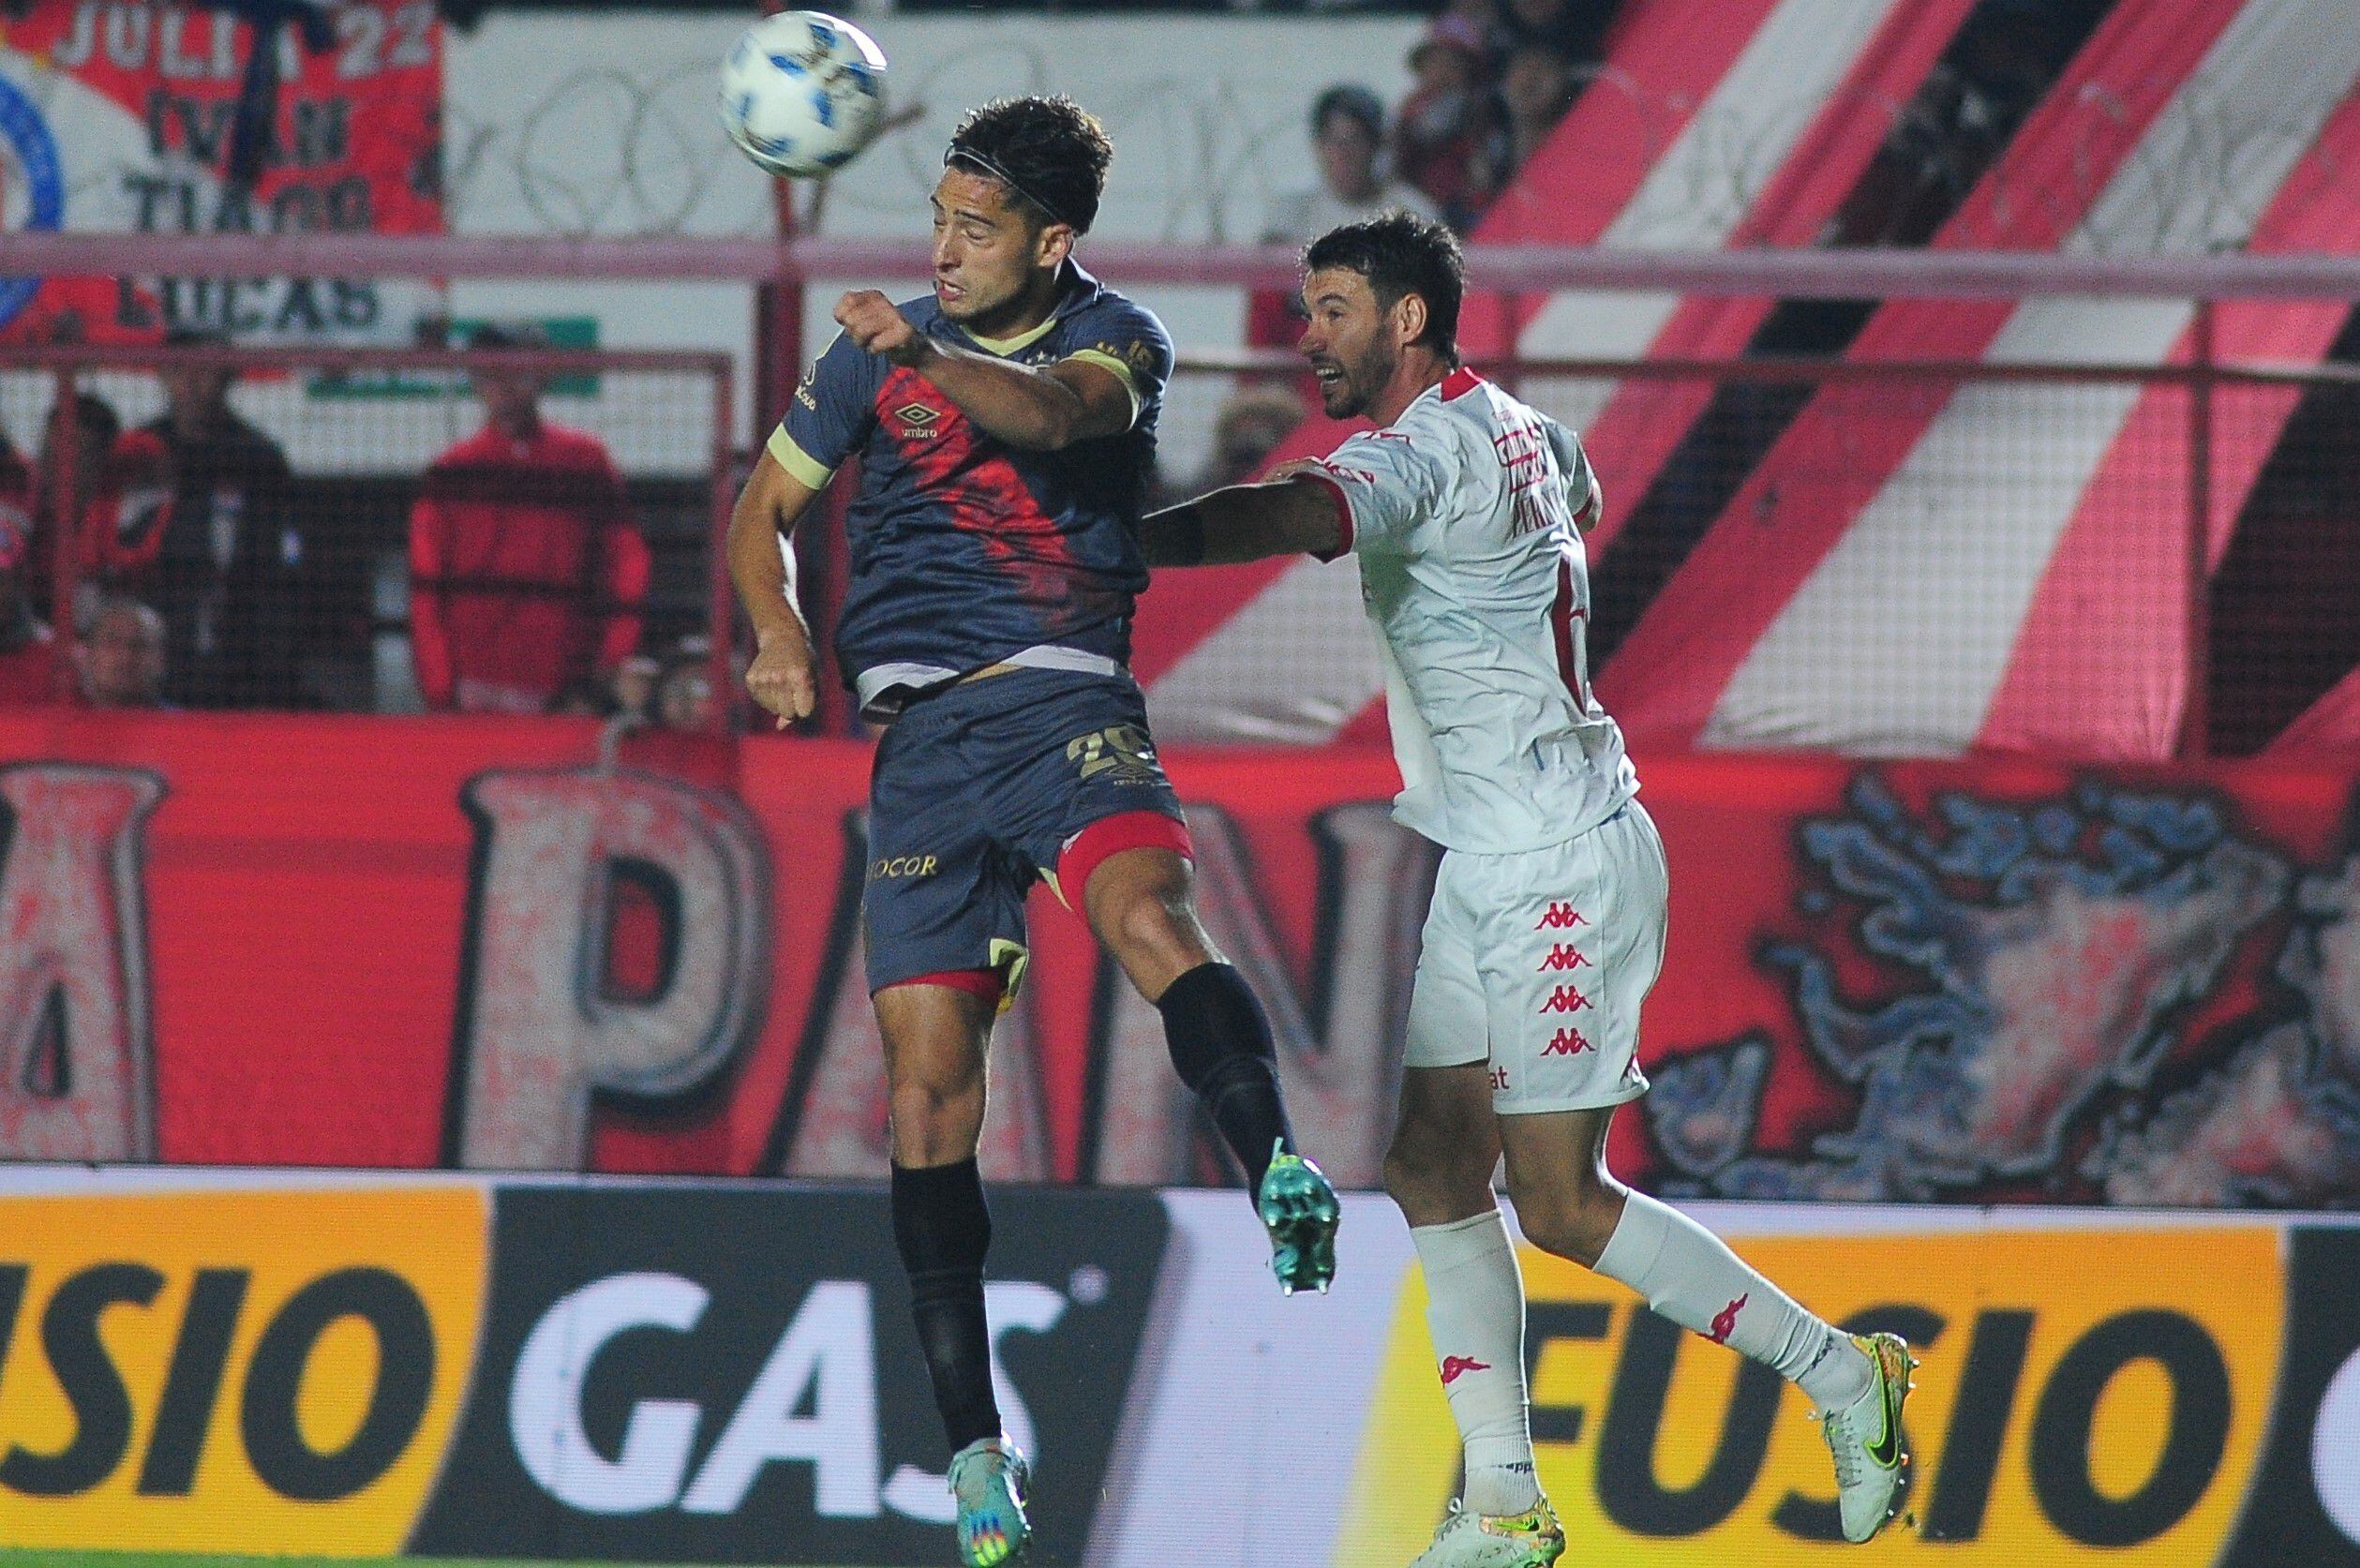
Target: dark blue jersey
(966,551)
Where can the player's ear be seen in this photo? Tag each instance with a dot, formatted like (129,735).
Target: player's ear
(1409,318)
(1053,245)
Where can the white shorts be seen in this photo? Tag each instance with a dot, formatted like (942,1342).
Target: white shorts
(1538,962)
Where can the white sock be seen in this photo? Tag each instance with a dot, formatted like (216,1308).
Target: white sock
(1691,1277)
(1475,1311)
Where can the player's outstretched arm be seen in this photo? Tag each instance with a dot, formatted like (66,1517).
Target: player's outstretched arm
(1036,409)
(1246,522)
(781,677)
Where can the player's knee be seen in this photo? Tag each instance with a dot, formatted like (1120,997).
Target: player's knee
(936,1117)
(1433,1178)
(1573,1222)
(1152,933)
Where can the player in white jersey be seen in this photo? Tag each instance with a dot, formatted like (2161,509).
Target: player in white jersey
(1466,509)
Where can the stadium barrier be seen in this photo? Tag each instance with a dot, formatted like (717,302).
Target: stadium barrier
(2100,513)
(604,1369)
(441,942)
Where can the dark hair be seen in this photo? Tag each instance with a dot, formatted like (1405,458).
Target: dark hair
(1401,254)
(1051,152)
(1352,101)
(95,417)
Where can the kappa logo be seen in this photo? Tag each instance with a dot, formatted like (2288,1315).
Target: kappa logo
(1562,956)
(1569,1042)
(1560,917)
(1565,998)
(917,421)
(1457,1367)
(1725,1323)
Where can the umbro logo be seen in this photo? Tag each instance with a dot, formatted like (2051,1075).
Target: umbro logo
(917,421)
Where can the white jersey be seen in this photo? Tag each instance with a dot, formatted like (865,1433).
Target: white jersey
(1465,514)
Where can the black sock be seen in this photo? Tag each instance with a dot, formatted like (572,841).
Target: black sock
(943,1230)
(1222,1047)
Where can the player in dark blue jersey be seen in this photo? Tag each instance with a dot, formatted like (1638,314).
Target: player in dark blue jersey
(1004,425)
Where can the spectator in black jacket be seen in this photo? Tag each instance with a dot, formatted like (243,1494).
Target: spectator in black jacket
(227,578)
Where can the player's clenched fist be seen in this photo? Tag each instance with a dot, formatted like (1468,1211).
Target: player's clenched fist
(877,326)
(780,677)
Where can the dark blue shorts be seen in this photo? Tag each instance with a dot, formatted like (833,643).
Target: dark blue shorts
(982,788)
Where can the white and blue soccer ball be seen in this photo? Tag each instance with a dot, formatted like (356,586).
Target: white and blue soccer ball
(802,93)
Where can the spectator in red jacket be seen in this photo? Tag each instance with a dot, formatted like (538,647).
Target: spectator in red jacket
(118,490)
(525,574)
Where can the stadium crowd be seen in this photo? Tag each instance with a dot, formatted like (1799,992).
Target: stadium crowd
(186,550)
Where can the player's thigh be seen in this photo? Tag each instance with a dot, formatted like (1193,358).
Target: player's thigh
(1445,1140)
(1571,940)
(1138,895)
(939,895)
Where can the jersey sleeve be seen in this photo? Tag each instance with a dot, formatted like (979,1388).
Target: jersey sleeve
(1389,483)
(1128,340)
(831,414)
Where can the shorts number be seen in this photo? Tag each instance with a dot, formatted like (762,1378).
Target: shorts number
(1118,746)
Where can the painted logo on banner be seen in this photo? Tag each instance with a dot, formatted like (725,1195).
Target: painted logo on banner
(232,1371)
(2048,954)
(2085,1395)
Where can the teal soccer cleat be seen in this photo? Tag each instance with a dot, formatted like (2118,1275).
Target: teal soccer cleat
(1299,1209)
(990,1479)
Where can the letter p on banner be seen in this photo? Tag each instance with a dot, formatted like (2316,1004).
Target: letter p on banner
(538,1029)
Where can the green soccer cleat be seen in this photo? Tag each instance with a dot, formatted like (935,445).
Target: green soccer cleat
(1299,1209)
(1528,1539)
(1872,1454)
(990,1479)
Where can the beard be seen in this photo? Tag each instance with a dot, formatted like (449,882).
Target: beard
(1346,395)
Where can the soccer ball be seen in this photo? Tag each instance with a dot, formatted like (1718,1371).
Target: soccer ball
(802,93)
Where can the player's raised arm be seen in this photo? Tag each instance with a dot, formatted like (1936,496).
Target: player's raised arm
(781,677)
(1038,408)
(1292,514)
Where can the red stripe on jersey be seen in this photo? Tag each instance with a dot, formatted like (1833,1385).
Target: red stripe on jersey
(1562,616)
(987,498)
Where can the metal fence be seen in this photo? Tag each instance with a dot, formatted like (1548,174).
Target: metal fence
(2163,525)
